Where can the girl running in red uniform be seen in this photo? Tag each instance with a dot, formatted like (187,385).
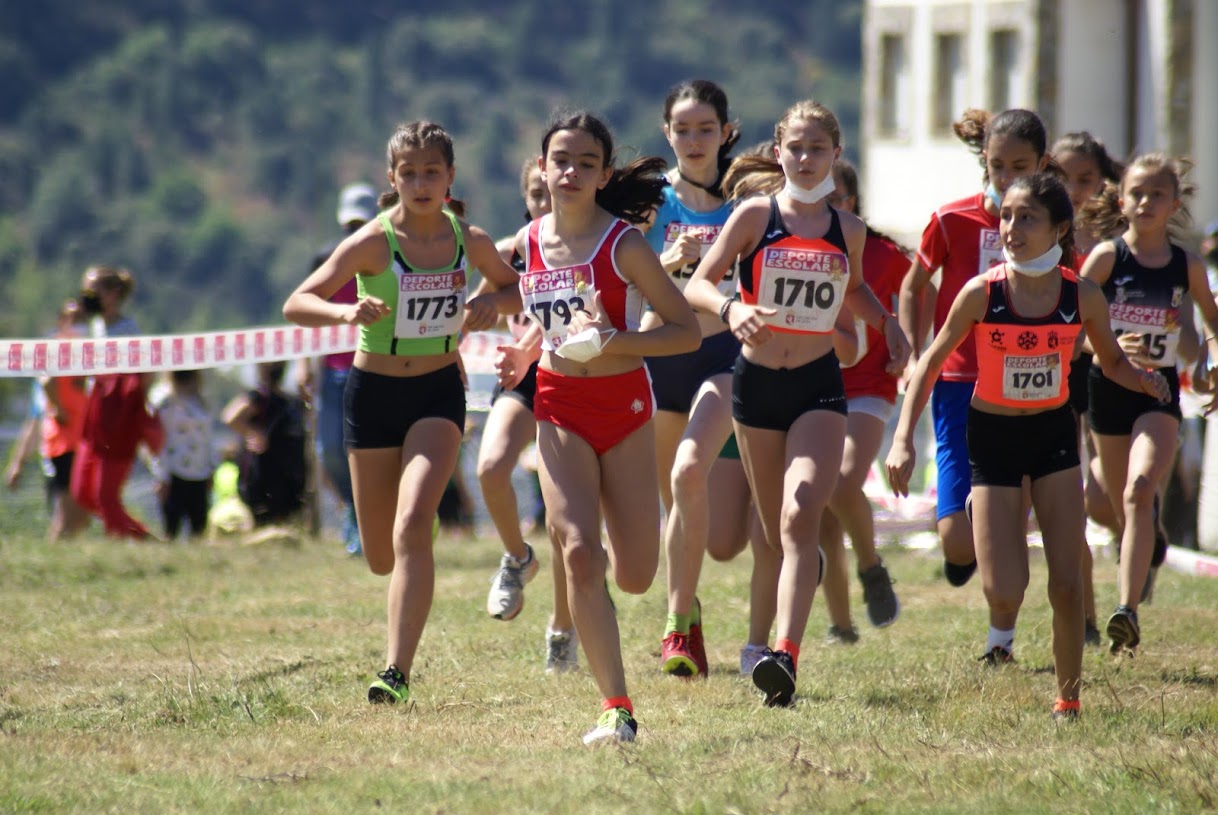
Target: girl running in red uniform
(587,272)
(1145,278)
(1087,168)
(800,259)
(693,391)
(962,240)
(404,404)
(1025,315)
(871,393)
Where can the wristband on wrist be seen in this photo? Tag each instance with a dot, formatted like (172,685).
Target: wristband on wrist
(725,308)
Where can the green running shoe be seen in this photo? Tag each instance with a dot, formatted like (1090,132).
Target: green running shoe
(389,688)
(615,724)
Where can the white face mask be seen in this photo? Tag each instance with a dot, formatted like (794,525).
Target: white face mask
(993,195)
(1036,267)
(825,187)
(585,345)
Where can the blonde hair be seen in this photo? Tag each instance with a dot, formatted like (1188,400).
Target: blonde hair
(758,172)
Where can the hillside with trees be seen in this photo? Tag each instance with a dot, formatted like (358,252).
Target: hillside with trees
(201,143)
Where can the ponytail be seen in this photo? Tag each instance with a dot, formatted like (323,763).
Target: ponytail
(755,173)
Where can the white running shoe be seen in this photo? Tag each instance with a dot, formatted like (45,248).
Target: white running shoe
(562,652)
(506,597)
(615,724)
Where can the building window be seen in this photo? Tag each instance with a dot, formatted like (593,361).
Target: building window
(894,85)
(1004,69)
(949,81)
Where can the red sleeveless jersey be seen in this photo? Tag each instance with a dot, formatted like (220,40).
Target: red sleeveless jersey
(884,267)
(552,294)
(962,240)
(1024,362)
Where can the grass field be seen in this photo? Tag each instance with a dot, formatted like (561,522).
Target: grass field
(158,678)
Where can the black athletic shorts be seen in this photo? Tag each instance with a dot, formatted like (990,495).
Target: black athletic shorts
(772,399)
(1114,409)
(675,380)
(522,393)
(379,410)
(1003,449)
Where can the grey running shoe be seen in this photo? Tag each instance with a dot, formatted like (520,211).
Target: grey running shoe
(506,597)
(562,652)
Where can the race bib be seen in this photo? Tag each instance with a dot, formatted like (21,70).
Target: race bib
(989,250)
(430,304)
(552,296)
(705,235)
(804,286)
(1031,379)
(1159,327)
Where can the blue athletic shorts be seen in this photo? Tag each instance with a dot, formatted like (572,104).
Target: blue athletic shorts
(949,403)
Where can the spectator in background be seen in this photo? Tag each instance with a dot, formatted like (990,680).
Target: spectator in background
(56,417)
(185,467)
(271,424)
(356,206)
(116,418)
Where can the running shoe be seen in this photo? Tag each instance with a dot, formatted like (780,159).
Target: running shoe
(390,687)
(836,635)
(1065,710)
(1091,634)
(750,654)
(774,676)
(883,607)
(506,597)
(697,646)
(676,657)
(615,724)
(1123,629)
(997,656)
(957,574)
(350,531)
(562,652)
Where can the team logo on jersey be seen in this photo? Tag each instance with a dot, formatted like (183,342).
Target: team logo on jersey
(1120,296)
(637,406)
(1027,340)
(1177,296)
(996,338)
(1053,340)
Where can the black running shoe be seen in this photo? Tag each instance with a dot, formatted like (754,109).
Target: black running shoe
(958,575)
(882,604)
(774,675)
(1123,629)
(997,657)
(1091,634)
(836,635)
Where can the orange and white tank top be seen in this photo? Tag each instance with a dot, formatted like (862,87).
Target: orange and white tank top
(803,279)
(1023,362)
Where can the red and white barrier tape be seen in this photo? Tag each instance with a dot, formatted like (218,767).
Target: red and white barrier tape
(1190,562)
(76,357)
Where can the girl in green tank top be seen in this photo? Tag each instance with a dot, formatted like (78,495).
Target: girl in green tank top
(404,405)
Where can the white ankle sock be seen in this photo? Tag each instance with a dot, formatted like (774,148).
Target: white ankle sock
(1000,637)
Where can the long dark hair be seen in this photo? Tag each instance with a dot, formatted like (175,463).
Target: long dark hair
(1049,191)
(976,127)
(634,190)
(705,92)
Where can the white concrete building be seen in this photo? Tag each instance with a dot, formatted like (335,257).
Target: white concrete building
(1139,74)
